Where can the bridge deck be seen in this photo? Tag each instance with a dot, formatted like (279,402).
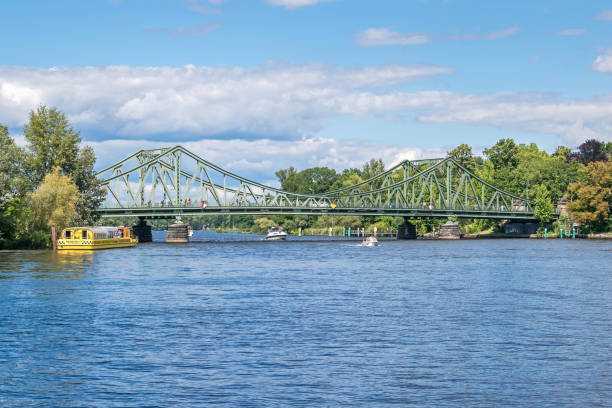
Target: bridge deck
(168,212)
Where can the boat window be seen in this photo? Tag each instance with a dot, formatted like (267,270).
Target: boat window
(84,234)
(67,234)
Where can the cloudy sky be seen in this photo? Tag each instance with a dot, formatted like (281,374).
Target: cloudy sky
(258,85)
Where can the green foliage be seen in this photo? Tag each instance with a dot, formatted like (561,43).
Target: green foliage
(348,177)
(562,151)
(478,225)
(12,182)
(591,199)
(503,154)
(53,204)
(561,224)
(384,223)
(606,148)
(315,180)
(533,167)
(28,240)
(284,175)
(425,225)
(91,193)
(350,221)
(544,208)
(51,142)
(463,155)
(262,224)
(16,219)
(372,168)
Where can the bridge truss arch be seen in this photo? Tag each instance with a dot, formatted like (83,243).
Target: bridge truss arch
(173,181)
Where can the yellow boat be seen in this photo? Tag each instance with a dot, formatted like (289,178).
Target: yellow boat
(95,238)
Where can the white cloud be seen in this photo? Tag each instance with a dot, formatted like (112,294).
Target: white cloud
(260,159)
(275,101)
(603,63)
(293,4)
(509,32)
(572,31)
(575,120)
(378,77)
(373,37)
(200,9)
(382,36)
(493,35)
(604,15)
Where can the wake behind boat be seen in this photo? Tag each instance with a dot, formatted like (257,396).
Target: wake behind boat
(276,234)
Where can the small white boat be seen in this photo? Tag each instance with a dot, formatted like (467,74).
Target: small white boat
(276,234)
(370,242)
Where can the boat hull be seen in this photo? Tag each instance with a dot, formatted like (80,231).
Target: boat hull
(276,238)
(88,244)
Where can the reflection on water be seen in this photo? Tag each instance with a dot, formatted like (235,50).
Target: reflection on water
(45,264)
(229,320)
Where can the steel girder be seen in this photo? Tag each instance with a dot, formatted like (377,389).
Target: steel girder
(174,181)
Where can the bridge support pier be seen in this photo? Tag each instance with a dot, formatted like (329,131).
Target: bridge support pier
(142,230)
(177,232)
(406,230)
(450,230)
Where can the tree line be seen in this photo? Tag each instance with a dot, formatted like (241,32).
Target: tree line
(51,182)
(582,176)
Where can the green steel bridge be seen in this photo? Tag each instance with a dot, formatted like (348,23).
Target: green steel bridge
(174,182)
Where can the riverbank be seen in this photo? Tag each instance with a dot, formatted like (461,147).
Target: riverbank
(534,236)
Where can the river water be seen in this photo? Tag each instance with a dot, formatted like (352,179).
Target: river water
(230,320)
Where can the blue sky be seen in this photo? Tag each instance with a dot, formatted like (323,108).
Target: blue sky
(260,84)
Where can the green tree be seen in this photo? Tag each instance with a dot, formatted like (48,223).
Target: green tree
(11,167)
(544,208)
(503,154)
(463,155)
(12,184)
(351,180)
(262,224)
(349,221)
(563,152)
(53,203)
(372,168)
(348,177)
(315,180)
(590,199)
(53,143)
(91,193)
(607,149)
(284,175)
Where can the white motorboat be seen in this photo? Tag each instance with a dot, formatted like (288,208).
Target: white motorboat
(370,242)
(276,234)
